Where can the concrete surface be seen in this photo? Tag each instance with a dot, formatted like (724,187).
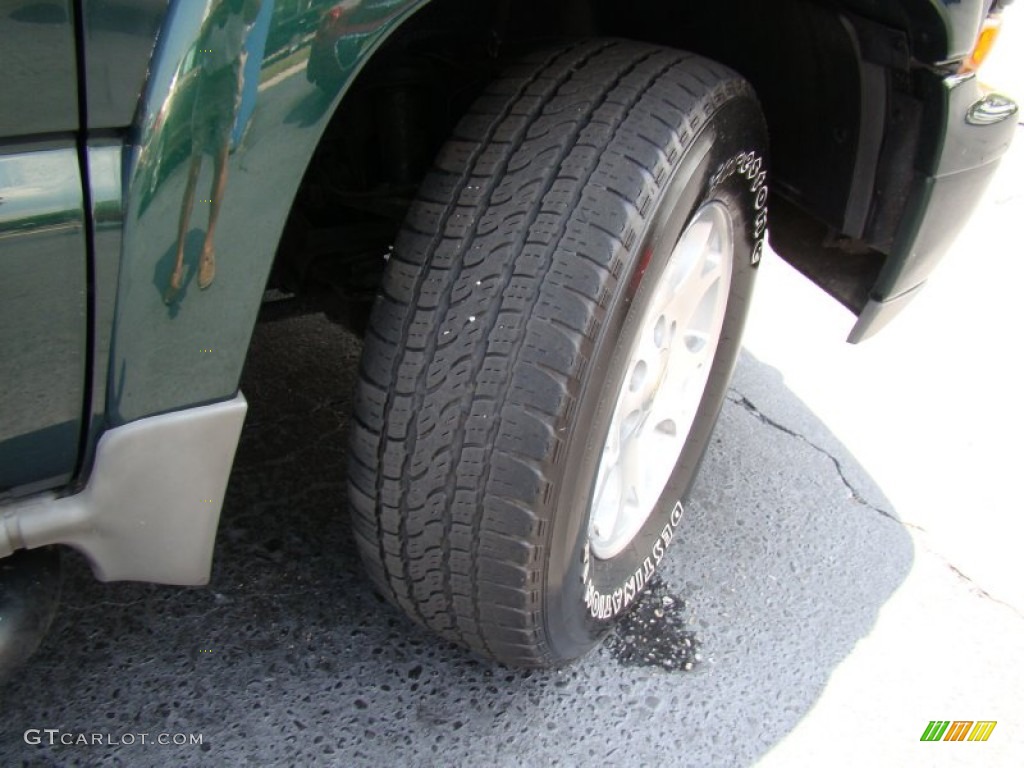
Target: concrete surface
(929,410)
(850,571)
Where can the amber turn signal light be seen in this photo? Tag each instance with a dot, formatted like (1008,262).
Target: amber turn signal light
(983,47)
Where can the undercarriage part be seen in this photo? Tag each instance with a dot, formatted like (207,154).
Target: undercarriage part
(29,593)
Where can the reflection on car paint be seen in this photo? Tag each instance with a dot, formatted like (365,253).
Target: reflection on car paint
(254,49)
(219,65)
(155,365)
(351,21)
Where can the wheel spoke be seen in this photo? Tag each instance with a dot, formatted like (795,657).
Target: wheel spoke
(693,293)
(692,249)
(633,477)
(608,501)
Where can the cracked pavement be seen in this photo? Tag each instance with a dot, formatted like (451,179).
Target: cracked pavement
(734,397)
(739,399)
(848,570)
(925,408)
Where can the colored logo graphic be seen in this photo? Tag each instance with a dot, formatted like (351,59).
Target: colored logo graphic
(958,730)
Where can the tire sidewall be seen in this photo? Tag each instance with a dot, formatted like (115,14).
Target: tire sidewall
(724,162)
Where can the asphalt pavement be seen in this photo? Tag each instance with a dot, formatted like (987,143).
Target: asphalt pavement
(288,658)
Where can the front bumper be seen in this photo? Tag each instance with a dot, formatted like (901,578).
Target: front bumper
(975,133)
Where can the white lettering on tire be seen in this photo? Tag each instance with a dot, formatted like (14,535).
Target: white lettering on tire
(750,166)
(605,606)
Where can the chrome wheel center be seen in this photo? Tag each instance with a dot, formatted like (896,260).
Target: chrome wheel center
(669,363)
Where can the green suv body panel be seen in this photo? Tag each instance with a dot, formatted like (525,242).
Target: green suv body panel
(43,282)
(37,63)
(166,355)
(42,316)
(140,67)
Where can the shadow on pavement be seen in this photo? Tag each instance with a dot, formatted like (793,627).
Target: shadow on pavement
(287,658)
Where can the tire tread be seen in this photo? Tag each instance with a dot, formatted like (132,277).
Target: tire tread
(477,343)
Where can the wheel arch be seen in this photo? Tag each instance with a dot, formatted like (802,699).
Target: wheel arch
(847,90)
(165,357)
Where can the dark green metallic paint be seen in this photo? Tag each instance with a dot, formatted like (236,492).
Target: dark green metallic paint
(940,30)
(952,172)
(159,360)
(117,39)
(39,91)
(42,317)
(105,166)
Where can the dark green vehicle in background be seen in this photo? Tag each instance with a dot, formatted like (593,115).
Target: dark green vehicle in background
(555,210)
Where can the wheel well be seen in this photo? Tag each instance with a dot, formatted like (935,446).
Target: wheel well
(803,57)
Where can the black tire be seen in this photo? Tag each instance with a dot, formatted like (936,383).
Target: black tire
(494,349)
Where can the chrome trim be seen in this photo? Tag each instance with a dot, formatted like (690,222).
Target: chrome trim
(994,108)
